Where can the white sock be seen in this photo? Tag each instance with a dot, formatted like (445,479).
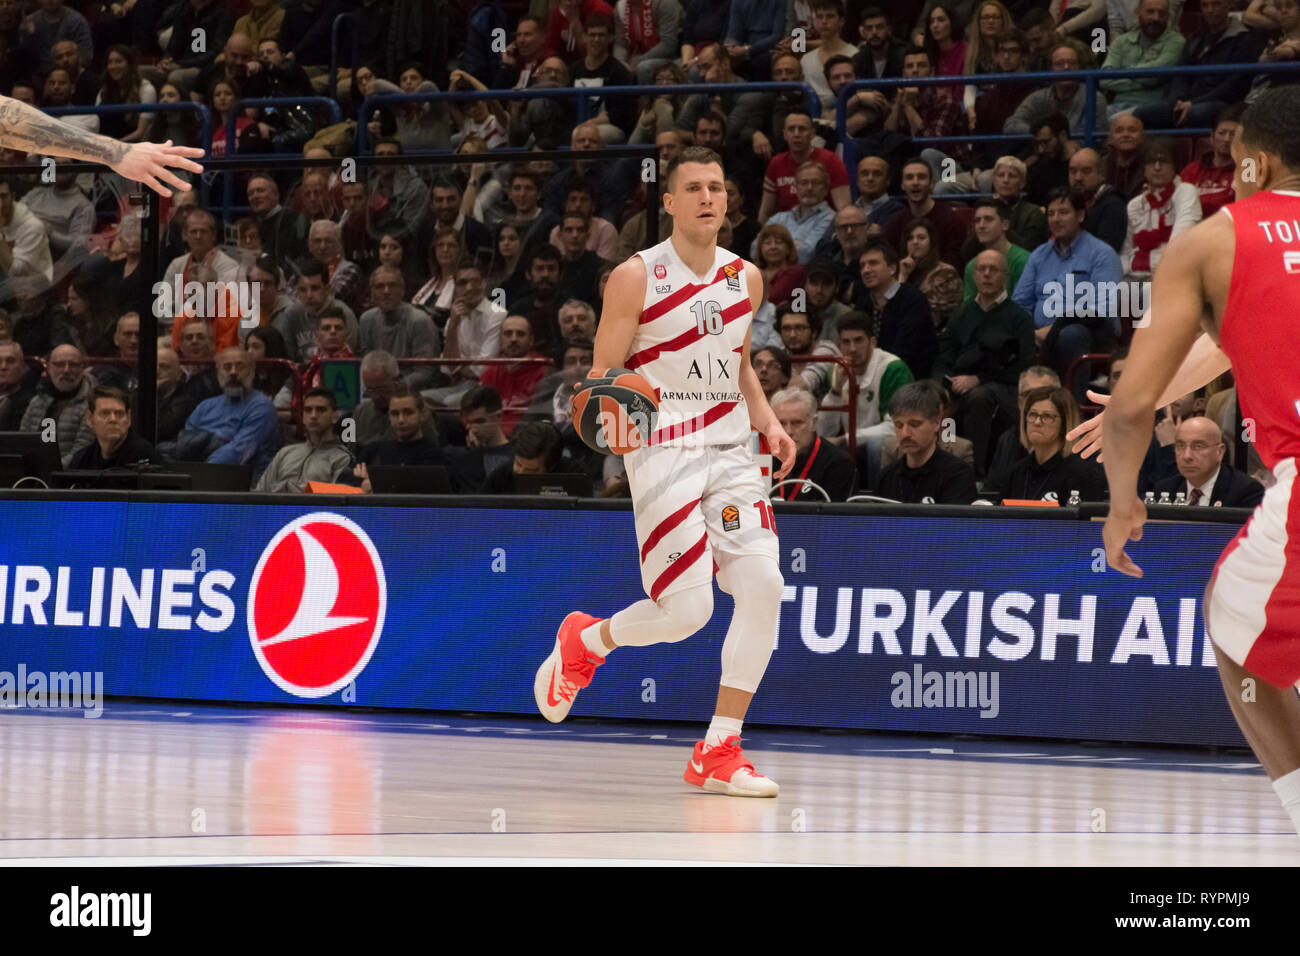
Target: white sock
(592,641)
(720,730)
(1287,788)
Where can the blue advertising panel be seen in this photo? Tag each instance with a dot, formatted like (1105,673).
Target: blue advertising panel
(998,626)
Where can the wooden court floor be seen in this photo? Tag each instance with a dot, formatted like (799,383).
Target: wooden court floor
(179,783)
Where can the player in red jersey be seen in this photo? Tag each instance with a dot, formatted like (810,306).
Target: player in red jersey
(1227,294)
(679,314)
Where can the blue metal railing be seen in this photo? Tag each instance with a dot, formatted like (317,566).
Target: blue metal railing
(334,53)
(205,122)
(205,115)
(228,186)
(585,95)
(1090,79)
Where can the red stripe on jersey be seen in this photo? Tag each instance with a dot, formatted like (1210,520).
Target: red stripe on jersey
(686,339)
(684,293)
(667,525)
(675,569)
(692,425)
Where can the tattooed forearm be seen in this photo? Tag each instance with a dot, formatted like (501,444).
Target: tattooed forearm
(26,128)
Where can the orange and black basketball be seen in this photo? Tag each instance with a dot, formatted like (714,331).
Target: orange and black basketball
(615,411)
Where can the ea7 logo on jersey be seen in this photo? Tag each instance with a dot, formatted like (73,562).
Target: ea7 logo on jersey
(1291,260)
(661,289)
(733,277)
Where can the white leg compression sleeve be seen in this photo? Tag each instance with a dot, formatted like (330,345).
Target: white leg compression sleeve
(756,583)
(670,619)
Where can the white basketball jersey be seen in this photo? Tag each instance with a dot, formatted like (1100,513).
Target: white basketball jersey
(688,347)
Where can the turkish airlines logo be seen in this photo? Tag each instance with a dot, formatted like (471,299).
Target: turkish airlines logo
(316,605)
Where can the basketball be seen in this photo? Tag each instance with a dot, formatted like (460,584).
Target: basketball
(615,412)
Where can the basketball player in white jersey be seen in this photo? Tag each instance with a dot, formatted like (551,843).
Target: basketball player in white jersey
(26,128)
(679,314)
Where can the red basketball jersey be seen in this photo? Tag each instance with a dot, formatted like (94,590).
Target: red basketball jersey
(1260,332)
(688,346)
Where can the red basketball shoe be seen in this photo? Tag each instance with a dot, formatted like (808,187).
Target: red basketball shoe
(567,670)
(724,769)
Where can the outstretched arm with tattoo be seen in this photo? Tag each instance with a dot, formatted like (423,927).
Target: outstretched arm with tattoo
(25,128)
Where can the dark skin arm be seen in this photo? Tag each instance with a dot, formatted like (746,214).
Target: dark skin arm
(1188,277)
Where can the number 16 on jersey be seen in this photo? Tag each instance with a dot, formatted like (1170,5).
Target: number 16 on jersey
(708,317)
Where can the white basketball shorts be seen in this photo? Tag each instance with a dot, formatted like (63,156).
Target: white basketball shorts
(696,509)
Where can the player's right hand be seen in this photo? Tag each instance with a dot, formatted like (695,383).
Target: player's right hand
(1123,524)
(1087,435)
(148,163)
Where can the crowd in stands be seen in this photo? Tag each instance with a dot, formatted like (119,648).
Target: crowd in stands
(960,282)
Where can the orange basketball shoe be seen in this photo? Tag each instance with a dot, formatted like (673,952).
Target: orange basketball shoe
(567,670)
(724,769)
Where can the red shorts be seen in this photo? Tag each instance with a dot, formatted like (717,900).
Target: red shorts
(1254,611)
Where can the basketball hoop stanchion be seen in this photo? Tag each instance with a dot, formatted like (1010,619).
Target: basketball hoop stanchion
(145,204)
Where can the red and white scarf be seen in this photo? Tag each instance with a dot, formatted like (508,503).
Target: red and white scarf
(642,33)
(1148,241)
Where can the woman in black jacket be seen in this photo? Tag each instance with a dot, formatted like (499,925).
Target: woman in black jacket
(1049,472)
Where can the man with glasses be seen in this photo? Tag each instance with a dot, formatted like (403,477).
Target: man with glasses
(1202,475)
(841,249)
(63,395)
(1064,96)
(801,335)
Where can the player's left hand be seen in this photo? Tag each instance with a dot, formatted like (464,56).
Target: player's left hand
(783,450)
(1123,524)
(148,163)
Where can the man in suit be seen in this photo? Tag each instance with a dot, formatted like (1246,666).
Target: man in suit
(1202,475)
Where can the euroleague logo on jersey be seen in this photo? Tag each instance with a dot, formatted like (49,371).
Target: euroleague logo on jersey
(316,605)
